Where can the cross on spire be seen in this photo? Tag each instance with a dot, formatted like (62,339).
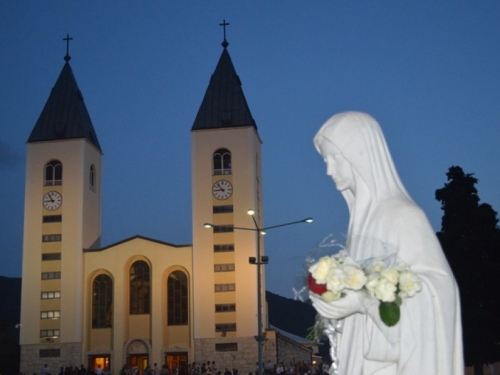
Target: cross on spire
(224,24)
(67,39)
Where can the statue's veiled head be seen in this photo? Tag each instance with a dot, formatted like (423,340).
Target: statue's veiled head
(359,139)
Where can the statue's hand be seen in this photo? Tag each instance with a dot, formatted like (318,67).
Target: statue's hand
(350,303)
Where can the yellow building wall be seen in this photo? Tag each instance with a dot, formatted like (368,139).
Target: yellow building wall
(116,261)
(101,339)
(78,202)
(244,145)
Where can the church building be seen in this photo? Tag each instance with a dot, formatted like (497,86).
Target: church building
(142,301)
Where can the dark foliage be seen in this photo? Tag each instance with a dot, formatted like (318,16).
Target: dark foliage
(10,312)
(470,238)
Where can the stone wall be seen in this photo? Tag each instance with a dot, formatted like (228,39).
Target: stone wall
(31,363)
(244,359)
(289,351)
(277,348)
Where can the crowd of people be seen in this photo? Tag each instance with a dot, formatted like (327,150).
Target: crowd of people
(75,370)
(204,368)
(296,368)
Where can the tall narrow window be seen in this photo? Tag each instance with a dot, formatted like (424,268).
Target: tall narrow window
(223,209)
(102,302)
(226,327)
(226,347)
(51,295)
(222,162)
(51,256)
(226,228)
(224,267)
(53,173)
(92,177)
(139,288)
(177,299)
(49,333)
(47,353)
(51,275)
(223,248)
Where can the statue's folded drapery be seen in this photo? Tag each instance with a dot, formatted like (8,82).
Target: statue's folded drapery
(384,221)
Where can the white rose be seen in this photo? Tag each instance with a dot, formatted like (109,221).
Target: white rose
(401,267)
(371,283)
(385,291)
(375,267)
(320,269)
(335,261)
(330,296)
(354,277)
(409,284)
(391,275)
(347,261)
(335,280)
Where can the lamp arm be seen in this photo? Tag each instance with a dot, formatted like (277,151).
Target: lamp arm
(284,225)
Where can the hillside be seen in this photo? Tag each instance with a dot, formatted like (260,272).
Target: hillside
(289,315)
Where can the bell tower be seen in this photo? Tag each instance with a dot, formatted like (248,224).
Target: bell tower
(226,183)
(62,217)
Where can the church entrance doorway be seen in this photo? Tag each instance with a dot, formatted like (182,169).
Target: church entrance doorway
(177,361)
(138,355)
(138,360)
(99,361)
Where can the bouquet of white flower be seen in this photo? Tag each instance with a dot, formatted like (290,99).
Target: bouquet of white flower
(331,275)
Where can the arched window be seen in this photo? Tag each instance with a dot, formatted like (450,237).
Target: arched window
(177,296)
(102,302)
(222,161)
(92,177)
(53,173)
(140,288)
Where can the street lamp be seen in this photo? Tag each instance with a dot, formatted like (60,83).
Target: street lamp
(259,261)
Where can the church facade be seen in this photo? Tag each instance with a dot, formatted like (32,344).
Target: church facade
(141,301)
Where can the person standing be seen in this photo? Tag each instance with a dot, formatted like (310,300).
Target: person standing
(491,368)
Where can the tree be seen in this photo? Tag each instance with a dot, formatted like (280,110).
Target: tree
(470,238)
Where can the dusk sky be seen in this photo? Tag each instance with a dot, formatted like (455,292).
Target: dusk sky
(428,71)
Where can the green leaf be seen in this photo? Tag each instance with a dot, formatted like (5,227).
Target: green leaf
(389,313)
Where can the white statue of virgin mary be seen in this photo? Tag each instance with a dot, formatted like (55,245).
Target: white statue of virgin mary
(384,221)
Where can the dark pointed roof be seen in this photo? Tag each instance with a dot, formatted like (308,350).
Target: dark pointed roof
(224,104)
(65,115)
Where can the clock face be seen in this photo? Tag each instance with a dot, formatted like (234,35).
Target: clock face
(52,200)
(222,189)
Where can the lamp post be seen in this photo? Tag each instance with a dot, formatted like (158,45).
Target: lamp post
(259,261)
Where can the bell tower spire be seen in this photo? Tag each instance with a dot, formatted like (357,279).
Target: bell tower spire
(224,42)
(62,217)
(226,181)
(65,115)
(67,39)
(224,104)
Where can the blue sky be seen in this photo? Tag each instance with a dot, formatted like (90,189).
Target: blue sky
(428,71)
